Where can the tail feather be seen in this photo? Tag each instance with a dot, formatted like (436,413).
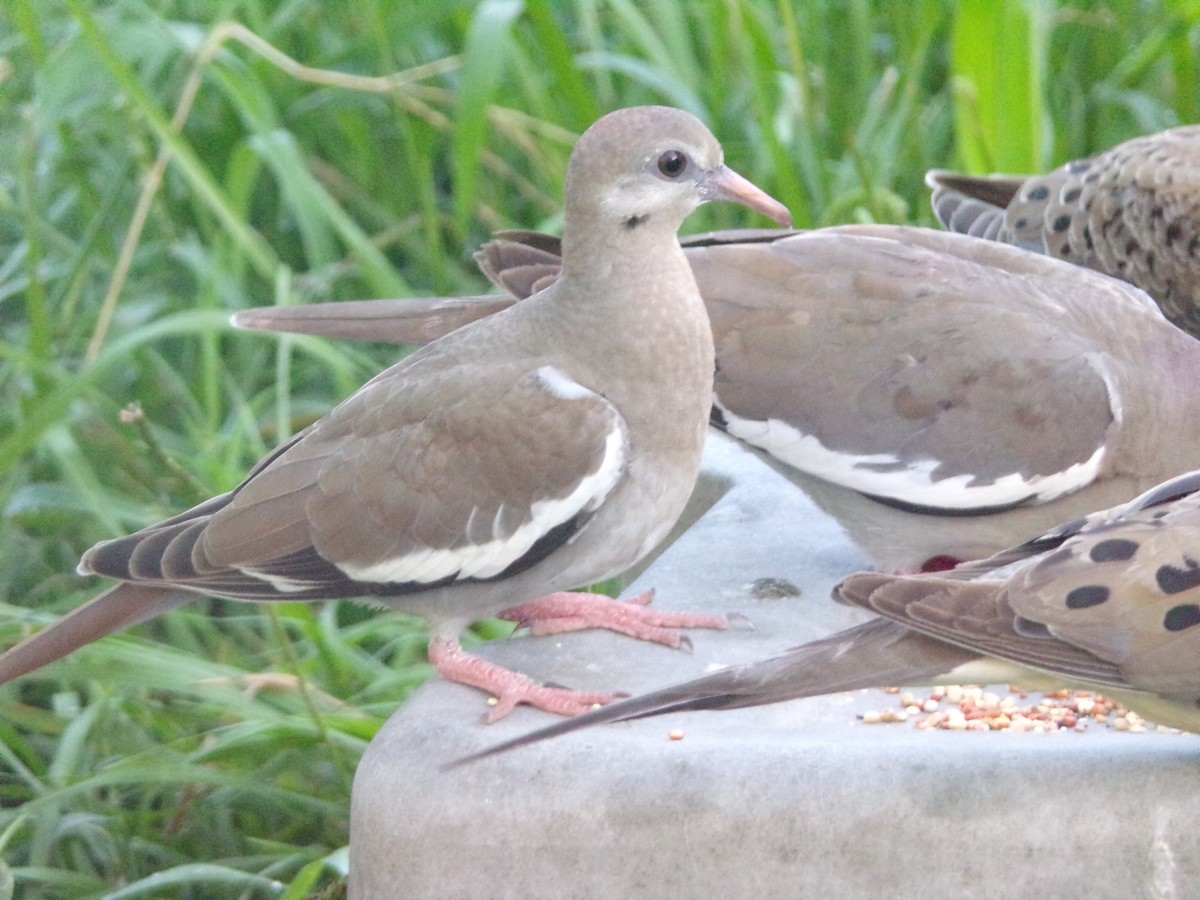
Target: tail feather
(408,321)
(994,190)
(115,610)
(873,654)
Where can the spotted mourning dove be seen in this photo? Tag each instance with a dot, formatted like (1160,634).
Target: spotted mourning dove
(1110,602)
(1132,212)
(546,447)
(941,396)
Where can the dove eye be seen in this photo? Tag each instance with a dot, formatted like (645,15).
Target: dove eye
(672,163)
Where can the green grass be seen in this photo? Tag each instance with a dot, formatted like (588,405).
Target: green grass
(398,136)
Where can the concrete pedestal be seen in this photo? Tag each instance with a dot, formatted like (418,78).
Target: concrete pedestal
(794,800)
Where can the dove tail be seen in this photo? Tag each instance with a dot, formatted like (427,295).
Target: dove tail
(873,654)
(115,610)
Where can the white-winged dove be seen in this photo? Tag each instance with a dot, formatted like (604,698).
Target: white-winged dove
(941,396)
(1110,602)
(1132,212)
(544,448)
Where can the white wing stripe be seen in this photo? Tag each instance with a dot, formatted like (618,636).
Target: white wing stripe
(493,557)
(913,484)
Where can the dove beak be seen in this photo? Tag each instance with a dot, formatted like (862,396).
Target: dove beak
(722,183)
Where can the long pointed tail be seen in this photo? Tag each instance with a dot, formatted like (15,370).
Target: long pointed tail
(115,610)
(409,321)
(873,654)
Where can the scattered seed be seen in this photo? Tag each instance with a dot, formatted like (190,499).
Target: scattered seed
(971,708)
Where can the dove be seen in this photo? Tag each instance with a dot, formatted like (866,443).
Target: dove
(1132,212)
(941,396)
(546,447)
(1109,602)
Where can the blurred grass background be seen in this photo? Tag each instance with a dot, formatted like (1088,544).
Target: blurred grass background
(334,151)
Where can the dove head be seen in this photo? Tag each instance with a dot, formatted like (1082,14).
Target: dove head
(643,170)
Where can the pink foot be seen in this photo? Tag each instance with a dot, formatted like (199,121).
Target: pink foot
(572,611)
(507,687)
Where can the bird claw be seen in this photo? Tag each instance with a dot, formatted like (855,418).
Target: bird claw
(559,700)
(739,622)
(634,617)
(508,689)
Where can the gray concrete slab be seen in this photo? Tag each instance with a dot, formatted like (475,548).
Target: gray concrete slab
(794,800)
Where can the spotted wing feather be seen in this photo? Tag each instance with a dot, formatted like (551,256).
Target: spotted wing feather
(1128,591)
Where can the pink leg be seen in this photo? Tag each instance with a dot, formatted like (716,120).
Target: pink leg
(508,687)
(571,611)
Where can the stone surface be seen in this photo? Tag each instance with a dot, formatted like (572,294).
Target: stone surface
(792,800)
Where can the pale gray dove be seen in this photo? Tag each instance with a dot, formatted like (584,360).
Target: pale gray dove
(941,396)
(547,447)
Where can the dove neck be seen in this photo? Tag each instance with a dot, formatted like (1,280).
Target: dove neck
(614,253)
